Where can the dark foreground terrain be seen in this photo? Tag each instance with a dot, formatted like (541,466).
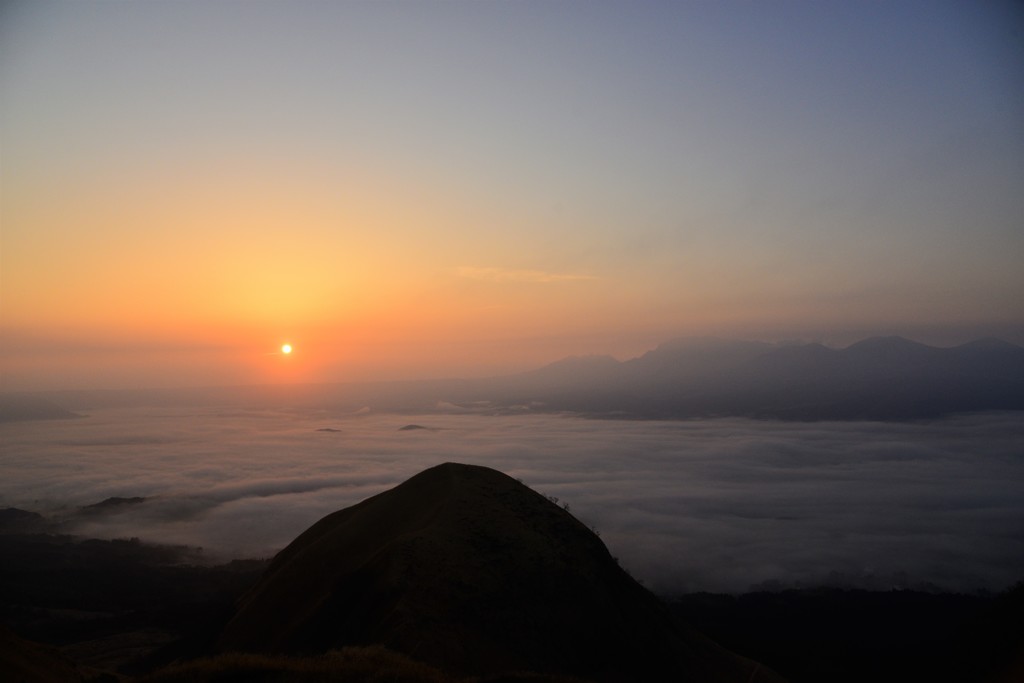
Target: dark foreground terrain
(844,636)
(412,602)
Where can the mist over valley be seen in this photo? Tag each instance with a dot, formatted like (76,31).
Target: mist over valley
(721,504)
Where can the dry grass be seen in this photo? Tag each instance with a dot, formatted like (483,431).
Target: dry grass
(372,664)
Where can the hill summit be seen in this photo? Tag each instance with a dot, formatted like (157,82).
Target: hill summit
(469,570)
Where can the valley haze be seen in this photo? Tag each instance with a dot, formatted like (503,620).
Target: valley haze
(709,502)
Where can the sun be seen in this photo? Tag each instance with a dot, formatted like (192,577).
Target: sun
(286,349)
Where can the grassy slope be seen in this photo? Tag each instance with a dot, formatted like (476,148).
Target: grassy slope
(467,569)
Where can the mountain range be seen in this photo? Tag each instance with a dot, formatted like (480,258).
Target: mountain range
(23,407)
(880,378)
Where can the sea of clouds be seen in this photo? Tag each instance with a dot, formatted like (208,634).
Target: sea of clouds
(711,504)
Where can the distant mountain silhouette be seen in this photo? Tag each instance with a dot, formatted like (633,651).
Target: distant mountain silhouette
(24,407)
(466,569)
(112,504)
(18,521)
(692,358)
(883,378)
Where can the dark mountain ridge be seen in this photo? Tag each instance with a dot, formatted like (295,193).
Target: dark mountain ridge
(468,570)
(21,407)
(881,378)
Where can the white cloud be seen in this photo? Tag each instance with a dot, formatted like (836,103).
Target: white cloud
(691,505)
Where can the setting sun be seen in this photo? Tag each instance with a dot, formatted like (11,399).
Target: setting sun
(286,349)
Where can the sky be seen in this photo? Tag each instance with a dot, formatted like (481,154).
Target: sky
(426,189)
(689,505)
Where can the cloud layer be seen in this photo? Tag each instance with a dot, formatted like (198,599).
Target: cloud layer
(719,505)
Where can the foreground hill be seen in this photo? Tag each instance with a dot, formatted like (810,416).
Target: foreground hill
(128,608)
(468,570)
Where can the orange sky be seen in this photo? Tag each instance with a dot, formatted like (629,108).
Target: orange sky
(424,190)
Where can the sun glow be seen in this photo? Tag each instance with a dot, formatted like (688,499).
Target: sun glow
(286,349)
